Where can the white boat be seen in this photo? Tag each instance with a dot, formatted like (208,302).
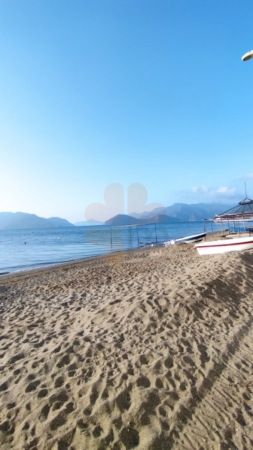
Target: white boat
(226,245)
(186,239)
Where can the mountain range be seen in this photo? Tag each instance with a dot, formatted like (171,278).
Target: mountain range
(179,212)
(20,220)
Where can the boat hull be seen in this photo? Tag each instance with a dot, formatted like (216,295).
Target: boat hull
(237,235)
(224,246)
(193,238)
(186,239)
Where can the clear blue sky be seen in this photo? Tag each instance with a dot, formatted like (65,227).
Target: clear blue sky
(123,91)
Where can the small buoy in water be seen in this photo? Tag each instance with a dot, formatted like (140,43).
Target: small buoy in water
(24,243)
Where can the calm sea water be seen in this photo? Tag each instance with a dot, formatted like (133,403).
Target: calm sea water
(45,247)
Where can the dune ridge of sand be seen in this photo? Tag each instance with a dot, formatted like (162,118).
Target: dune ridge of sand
(142,350)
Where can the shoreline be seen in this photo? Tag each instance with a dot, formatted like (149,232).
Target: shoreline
(76,262)
(37,270)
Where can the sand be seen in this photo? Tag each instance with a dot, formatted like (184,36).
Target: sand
(151,349)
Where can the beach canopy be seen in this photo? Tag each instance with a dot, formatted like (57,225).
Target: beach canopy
(241,212)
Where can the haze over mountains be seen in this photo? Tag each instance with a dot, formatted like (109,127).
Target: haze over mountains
(179,212)
(183,212)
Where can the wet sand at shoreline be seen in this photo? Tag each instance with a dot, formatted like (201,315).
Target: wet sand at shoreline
(148,349)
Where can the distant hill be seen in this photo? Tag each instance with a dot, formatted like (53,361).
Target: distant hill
(149,214)
(195,212)
(21,220)
(58,222)
(160,218)
(124,219)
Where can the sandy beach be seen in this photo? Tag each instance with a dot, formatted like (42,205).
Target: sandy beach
(147,350)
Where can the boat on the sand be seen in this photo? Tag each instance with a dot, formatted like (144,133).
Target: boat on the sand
(186,239)
(226,245)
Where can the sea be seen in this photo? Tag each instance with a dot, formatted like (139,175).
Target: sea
(36,247)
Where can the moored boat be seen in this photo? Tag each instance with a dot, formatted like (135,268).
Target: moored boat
(186,239)
(226,245)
